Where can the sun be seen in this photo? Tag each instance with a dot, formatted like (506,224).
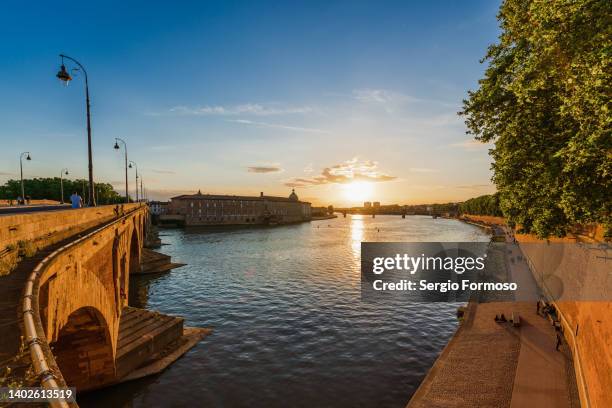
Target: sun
(358,191)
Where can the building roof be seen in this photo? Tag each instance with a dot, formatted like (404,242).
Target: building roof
(200,196)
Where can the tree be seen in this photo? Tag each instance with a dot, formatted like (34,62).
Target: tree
(483,205)
(544,102)
(49,188)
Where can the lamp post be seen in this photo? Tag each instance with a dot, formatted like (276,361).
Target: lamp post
(142,196)
(136,167)
(117,140)
(21,170)
(65,77)
(64,171)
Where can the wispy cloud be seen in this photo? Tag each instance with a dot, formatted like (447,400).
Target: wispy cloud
(243,109)
(471,145)
(350,170)
(264,169)
(381,96)
(308,169)
(158,171)
(278,126)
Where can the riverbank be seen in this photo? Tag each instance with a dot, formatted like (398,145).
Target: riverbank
(491,364)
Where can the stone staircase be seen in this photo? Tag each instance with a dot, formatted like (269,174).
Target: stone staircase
(155,262)
(143,338)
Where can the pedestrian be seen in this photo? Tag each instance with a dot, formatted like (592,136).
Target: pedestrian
(538,307)
(558,342)
(76,200)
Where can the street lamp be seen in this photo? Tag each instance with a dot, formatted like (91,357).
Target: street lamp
(136,167)
(21,170)
(117,140)
(64,171)
(65,77)
(141,189)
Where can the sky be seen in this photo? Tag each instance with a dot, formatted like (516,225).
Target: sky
(344,101)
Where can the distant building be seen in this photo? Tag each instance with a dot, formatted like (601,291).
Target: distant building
(158,207)
(212,209)
(376,204)
(367,204)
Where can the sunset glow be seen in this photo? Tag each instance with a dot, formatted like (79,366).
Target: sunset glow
(358,191)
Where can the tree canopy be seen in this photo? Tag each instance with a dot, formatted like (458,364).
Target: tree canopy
(483,205)
(49,188)
(545,103)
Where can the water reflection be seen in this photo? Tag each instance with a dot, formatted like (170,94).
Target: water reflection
(356,234)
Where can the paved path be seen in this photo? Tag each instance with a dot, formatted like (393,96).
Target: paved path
(32,208)
(541,372)
(488,364)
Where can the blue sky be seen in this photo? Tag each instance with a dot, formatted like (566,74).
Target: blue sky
(242,97)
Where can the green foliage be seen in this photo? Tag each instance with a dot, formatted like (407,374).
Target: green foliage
(544,100)
(49,188)
(483,205)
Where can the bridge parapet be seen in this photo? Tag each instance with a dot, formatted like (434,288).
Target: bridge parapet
(49,227)
(74,297)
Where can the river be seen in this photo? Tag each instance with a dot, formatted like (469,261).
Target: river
(290,329)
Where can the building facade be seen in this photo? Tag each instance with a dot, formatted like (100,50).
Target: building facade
(211,209)
(158,207)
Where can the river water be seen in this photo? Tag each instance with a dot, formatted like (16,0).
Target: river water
(290,329)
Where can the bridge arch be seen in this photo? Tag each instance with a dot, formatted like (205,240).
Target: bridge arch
(84,351)
(134,250)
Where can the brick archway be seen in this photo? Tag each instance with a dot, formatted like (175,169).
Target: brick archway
(83,351)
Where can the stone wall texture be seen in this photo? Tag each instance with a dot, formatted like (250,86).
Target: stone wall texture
(48,227)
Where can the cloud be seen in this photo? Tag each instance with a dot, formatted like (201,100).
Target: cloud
(163,171)
(278,126)
(381,96)
(308,169)
(243,109)
(264,169)
(2,173)
(471,145)
(350,170)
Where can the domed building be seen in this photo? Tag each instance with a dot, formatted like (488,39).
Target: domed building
(214,209)
(293,196)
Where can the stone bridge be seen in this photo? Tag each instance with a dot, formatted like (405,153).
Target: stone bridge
(72,295)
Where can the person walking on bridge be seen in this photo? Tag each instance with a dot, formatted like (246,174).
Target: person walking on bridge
(76,200)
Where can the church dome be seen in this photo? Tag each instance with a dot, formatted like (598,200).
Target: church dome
(293,196)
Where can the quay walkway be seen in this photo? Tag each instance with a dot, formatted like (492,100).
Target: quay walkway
(489,364)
